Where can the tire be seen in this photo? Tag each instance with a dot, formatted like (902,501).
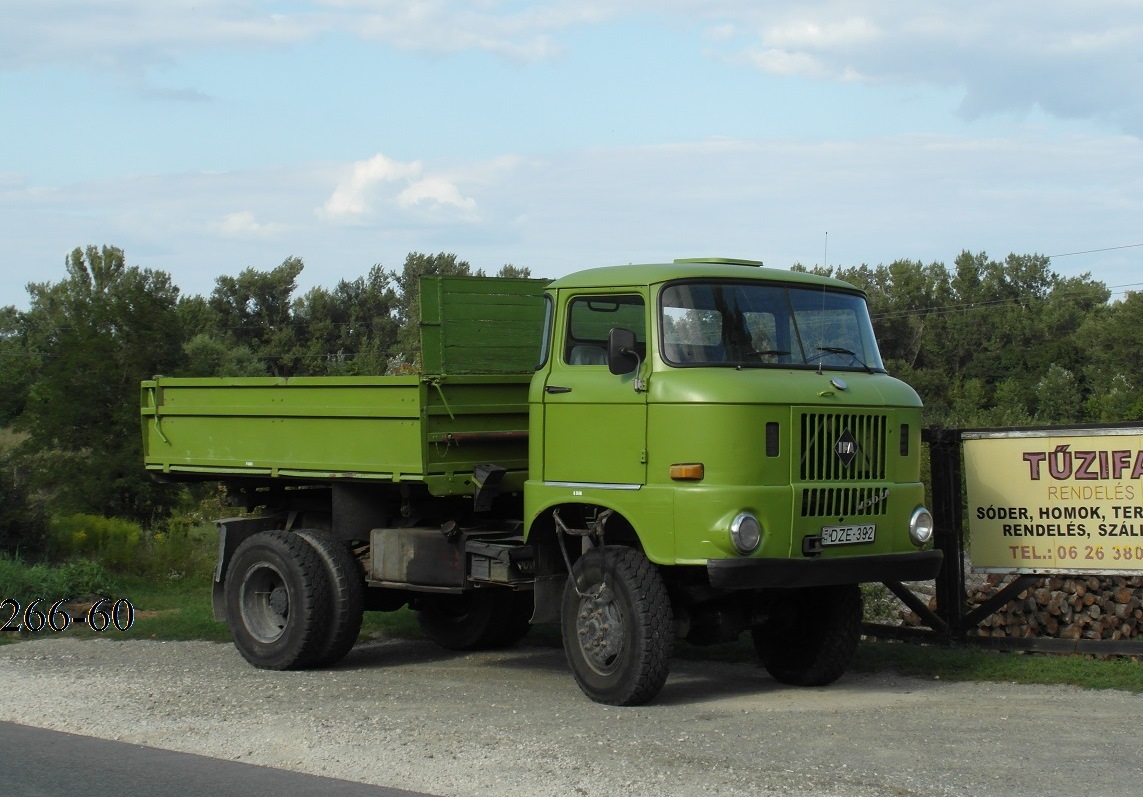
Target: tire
(347,597)
(513,618)
(618,636)
(277,601)
(477,620)
(812,638)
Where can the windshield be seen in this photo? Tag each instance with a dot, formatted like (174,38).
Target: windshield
(749,324)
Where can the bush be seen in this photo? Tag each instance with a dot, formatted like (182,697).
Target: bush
(84,577)
(25,582)
(184,550)
(112,542)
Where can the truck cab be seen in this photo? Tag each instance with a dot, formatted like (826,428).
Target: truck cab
(734,426)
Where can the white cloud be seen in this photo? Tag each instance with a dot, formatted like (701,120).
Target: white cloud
(1076,61)
(244,224)
(1072,60)
(435,191)
(922,197)
(127,35)
(823,34)
(381,182)
(519,31)
(353,195)
(131,35)
(786,63)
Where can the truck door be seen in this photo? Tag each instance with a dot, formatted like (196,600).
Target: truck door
(594,421)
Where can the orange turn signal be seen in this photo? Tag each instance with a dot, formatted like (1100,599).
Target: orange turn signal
(687,471)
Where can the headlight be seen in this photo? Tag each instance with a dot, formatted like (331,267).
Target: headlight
(921,526)
(746,533)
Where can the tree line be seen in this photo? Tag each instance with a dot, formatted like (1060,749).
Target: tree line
(72,362)
(1007,342)
(985,342)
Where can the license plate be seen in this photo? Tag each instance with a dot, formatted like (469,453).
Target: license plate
(848,535)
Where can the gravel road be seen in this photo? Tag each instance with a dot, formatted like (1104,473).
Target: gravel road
(406,714)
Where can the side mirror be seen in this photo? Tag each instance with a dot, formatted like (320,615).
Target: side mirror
(622,358)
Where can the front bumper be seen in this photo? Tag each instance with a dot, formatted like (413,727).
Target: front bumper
(819,572)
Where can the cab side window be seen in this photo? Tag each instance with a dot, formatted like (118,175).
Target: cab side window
(591,318)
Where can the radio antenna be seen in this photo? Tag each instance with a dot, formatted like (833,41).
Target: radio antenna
(821,327)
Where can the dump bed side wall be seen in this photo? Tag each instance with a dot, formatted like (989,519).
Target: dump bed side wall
(480,340)
(377,428)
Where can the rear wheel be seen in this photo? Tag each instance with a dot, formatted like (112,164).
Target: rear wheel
(617,626)
(811,638)
(514,618)
(277,601)
(485,618)
(347,597)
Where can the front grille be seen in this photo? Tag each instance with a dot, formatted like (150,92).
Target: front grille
(828,439)
(844,501)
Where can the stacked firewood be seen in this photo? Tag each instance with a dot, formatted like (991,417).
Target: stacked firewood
(1079,607)
(1063,607)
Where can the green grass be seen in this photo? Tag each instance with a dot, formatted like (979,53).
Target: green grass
(25,582)
(401,624)
(171,610)
(962,663)
(177,610)
(957,663)
(180,609)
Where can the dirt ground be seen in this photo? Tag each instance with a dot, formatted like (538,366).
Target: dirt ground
(406,714)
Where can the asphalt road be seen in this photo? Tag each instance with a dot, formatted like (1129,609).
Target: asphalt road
(40,763)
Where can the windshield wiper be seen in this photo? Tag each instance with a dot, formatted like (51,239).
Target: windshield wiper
(837,350)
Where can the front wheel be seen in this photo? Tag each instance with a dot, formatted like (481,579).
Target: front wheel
(617,626)
(812,635)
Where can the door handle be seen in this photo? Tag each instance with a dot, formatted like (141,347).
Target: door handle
(556,389)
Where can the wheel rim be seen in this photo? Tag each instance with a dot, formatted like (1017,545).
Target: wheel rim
(599,629)
(264,602)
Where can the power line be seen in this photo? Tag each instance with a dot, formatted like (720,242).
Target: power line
(1093,251)
(1055,293)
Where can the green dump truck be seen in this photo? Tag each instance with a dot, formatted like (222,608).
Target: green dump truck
(638,453)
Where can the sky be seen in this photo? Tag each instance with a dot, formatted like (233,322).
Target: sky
(204,137)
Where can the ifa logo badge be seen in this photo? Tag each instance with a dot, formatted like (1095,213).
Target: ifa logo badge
(846,448)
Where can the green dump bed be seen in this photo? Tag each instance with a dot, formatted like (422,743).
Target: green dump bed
(432,428)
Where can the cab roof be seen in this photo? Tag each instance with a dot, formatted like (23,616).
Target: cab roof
(685,268)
